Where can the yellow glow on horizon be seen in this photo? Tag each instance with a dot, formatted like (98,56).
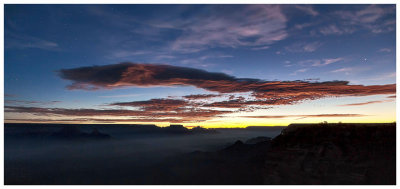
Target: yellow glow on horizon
(225,125)
(299,113)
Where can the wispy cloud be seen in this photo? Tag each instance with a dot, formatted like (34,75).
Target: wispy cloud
(110,120)
(320,62)
(366,103)
(371,17)
(305,116)
(386,50)
(261,48)
(128,54)
(19,41)
(30,102)
(156,104)
(287,63)
(304,47)
(327,61)
(164,57)
(299,71)
(122,96)
(204,60)
(9,95)
(332,60)
(252,25)
(149,111)
(307,9)
(392,96)
(201,96)
(345,70)
(334,30)
(304,25)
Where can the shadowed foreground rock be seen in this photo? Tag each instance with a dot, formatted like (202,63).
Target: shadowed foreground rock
(333,154)
(302,154)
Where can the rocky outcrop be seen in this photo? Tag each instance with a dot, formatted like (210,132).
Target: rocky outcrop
(201,130)
(333,154)
(180,129)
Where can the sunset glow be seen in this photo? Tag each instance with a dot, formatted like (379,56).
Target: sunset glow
(200,65)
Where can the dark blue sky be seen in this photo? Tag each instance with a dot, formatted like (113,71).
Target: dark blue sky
(355,43)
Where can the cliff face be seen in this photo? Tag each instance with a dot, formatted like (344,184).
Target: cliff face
(333,154)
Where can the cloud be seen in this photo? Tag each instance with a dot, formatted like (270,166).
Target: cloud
(201,96)
(122,96)
(233,103)
(128,54)
(261,48)
(366,103)
(319,63)
(162,57)
(215,56)
(9,95)
(131,74)
(304,25)
(335,30)
(261,94)
(306,116)
(372,18)
(156,104)
(173,120)
(304,47)
(342,70)
(307,9)
(204,60)
(153,110)
(143,115)
(327,61)
(387,50)
(369,14)
(196,28)
(96,120)
(232,26)
(29,102)
(248,104)
(150,75)
(19,41)
(299,71)
(73,112)
(375,18)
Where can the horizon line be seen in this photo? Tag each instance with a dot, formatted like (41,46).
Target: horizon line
(189,127)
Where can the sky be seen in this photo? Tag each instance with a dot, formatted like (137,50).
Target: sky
(206,65)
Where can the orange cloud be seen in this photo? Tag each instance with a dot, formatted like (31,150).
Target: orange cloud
(365,103)
(201,96)
(180,115)
(156,104)
(263,94)
(307,116)
(132,74)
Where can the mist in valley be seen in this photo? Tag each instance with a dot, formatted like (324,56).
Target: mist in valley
(35,156)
